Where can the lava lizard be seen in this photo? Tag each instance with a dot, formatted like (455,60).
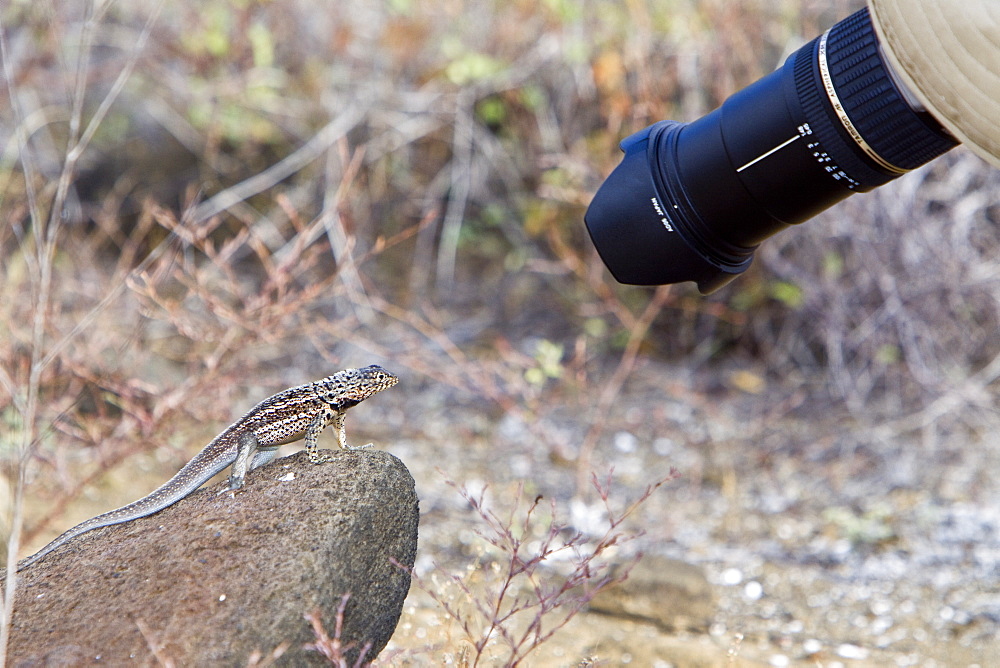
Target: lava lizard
(252,441)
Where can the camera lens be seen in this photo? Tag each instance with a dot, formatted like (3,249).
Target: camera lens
(692,201)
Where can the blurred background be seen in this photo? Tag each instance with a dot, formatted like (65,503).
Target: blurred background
(204,203)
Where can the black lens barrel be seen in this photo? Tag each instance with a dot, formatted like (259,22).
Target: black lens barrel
(829,123)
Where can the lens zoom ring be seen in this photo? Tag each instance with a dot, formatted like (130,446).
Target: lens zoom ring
(878,111)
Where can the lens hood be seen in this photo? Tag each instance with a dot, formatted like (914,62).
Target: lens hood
(633,228)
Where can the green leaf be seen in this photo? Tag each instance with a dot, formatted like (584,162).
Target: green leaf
(492,111)
(472,67)
(595,327)
(888,354)
(788,294)
(262,45)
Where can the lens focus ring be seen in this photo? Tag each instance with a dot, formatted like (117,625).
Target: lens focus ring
(862,122)
(877,109)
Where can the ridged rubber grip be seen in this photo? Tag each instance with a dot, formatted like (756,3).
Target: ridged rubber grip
(899,135)
(877,109)
(841,154)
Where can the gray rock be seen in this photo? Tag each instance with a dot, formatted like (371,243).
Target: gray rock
(217,580)
(672,594)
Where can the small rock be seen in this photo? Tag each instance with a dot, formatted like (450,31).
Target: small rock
(670,593)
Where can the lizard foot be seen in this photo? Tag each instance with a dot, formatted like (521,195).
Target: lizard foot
(320,456)
(232,488)
(359,447)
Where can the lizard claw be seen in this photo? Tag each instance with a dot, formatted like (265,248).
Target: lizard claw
(233,487)
(359,447)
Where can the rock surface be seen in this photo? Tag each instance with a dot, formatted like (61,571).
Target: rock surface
(674,595)
(217,579)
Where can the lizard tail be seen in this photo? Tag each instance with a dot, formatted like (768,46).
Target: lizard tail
(192,476)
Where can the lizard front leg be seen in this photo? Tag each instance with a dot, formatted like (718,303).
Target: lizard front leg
(328,417)
(338,424)
(323,418)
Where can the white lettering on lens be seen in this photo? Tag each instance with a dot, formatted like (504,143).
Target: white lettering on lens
(663,217)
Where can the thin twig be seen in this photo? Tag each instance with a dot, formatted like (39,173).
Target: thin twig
(461,184)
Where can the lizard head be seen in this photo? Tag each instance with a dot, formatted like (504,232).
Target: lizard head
(356,385)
